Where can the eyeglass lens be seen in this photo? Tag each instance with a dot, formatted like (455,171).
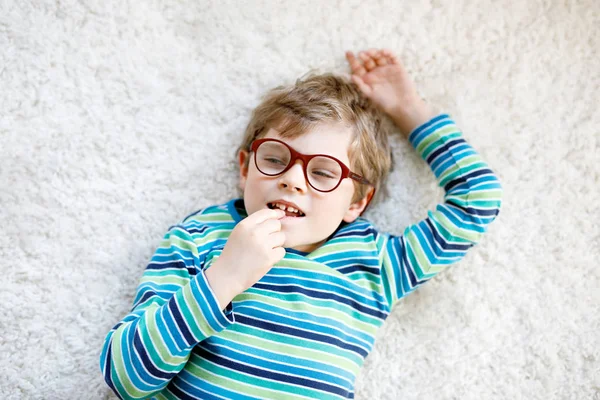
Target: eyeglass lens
(323,173)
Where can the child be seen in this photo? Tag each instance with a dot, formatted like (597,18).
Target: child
(279,295)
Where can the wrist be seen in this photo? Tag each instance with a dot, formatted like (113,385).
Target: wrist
(409,117)
(222,282)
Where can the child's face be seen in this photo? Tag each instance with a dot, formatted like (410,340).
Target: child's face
(323,211)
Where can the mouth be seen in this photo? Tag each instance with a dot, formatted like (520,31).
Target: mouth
(291,210)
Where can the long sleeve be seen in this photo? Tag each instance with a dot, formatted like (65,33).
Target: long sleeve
(174,309)
(472,200)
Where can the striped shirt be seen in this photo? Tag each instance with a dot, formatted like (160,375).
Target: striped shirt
(304,329)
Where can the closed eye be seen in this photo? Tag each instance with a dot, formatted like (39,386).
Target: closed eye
(323,174)
(274,161)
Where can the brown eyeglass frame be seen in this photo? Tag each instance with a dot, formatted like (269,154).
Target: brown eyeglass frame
(346,173)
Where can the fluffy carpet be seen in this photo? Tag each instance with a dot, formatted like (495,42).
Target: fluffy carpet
(118,118)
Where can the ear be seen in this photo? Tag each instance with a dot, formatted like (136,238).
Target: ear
(244,160)
(356,209)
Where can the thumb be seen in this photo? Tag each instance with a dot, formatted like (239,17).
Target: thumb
(366,89)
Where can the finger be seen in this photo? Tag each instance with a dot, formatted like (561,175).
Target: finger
(372,52)
(269,226)
(278,254)
(366,89)
(368,61)
(390,56)
(276,239)
(355,65)
(381,61)
(263,215)
(371,64)
(377,56)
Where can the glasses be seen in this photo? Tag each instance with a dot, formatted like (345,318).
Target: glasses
(322,172)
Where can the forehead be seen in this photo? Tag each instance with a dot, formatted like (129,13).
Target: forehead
(326,138)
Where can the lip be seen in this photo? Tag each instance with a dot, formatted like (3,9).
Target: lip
(287,203)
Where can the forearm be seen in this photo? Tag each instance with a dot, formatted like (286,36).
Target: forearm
(472,201)
(173,311)
(149,347)
(473,191)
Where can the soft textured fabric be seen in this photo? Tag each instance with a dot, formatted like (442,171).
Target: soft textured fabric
(119,117)
(304,329)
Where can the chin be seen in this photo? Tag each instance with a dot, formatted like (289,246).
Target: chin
(292,243)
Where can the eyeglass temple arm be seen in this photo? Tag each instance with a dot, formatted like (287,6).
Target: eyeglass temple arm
(359,178)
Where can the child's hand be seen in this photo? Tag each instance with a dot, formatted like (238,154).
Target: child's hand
(382,78)
(255,244)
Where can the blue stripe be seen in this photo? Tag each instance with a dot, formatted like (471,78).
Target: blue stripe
(442,242)
(107,372)
(273,365)
(167,337)
(321,295)
(442,124)
(361,337)
(360,268)
(324,282)
(426,125)
(174,388)
(465,178)
(444,150)
(189,337)
(394,253)
(307,324)
(147,295)
(159,262)
(471,211)
(364,232)
(171,325)
(410,273)
(300,362)
(132,363)
(286,330)
(279,377)
(147,362)
(205,390)
(215,318)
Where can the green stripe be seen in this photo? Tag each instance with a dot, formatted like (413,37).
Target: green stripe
(328,304)
(240,382)
(295,302)
(288,346)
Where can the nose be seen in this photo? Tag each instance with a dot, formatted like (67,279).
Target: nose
(294,178)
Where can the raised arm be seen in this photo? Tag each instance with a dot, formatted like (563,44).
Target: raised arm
(471,202)
(473,192)
(174,309)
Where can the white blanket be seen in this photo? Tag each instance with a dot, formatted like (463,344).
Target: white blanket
(118,118)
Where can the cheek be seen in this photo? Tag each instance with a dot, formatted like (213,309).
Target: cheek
(254,177)
(335,204)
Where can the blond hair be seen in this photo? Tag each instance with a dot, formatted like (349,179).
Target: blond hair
(328,98)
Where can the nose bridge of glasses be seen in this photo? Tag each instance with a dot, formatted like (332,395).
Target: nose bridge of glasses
(295,171)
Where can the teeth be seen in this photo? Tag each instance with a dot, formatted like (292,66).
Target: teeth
(287,208)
